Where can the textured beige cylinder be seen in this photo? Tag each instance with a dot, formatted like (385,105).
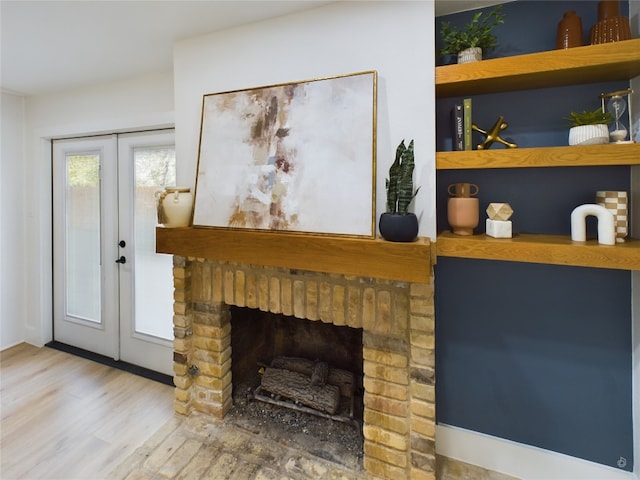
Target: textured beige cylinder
(617,203)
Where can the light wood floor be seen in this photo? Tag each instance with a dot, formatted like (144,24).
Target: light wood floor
(64,417)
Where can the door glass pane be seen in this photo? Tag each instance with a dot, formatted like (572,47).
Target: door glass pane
(155,168)
(83,237)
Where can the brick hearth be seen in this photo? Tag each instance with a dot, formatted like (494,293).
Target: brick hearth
(397,318)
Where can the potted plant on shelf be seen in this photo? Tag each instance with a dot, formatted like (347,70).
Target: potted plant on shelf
(469,42)
(397,224)
(589,127)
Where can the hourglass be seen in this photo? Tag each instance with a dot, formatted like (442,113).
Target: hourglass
(616,106)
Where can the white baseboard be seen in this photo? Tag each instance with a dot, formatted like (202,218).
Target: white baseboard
(519,460)
(7,347)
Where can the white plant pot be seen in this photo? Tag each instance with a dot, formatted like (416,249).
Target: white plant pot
(588,135)
(473,54)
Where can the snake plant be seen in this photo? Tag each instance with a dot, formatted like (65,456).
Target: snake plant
(399,185)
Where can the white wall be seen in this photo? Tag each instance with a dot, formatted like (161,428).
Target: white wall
(393,38)
(136,104)
(12,195)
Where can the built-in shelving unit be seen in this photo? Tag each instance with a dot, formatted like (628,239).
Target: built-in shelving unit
(589,64)
(551,249)
(574,156)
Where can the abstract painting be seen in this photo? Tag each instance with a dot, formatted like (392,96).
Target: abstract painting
(295,157)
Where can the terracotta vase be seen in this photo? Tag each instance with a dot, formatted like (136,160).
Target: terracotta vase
(463,189)
(611,27)
(608,9)
(463,211)
(463,214)
(569,31)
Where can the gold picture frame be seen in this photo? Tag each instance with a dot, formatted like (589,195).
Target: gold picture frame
(294,157)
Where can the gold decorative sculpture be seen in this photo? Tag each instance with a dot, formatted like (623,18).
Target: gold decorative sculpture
(493,135)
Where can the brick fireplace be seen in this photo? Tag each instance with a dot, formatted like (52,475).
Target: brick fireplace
(385,289)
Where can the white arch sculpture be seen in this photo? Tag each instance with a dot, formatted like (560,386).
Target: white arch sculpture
(606,224)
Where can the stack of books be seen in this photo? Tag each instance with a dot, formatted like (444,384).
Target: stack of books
(461,125)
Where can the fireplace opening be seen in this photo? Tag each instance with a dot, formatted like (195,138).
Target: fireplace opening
(264,343)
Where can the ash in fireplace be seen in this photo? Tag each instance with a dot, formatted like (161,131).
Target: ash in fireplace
(332,440)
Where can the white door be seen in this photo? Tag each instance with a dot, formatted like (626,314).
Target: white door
(146,165)
(112,292)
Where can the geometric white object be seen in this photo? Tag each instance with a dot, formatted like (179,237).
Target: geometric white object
(606,226)
(499,211)
(499,228)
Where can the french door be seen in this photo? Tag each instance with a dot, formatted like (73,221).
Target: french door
(113,295)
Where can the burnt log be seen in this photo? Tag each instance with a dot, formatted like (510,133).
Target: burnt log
(319,373)
(297,387)
(342,378)
(295,364)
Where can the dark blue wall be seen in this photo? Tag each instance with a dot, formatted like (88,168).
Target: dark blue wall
(538,354)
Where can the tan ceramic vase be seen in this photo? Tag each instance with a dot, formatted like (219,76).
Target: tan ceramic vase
(174,206)
(463,210)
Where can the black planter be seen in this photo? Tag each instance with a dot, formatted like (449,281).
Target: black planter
(398,228)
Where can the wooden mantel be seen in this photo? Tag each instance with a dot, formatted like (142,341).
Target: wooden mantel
(377,258)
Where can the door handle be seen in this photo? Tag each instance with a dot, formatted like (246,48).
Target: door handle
(122,259)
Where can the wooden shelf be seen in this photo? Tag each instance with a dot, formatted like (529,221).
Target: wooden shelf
(549,249)
(407,262)
(589,64)
(569,156)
